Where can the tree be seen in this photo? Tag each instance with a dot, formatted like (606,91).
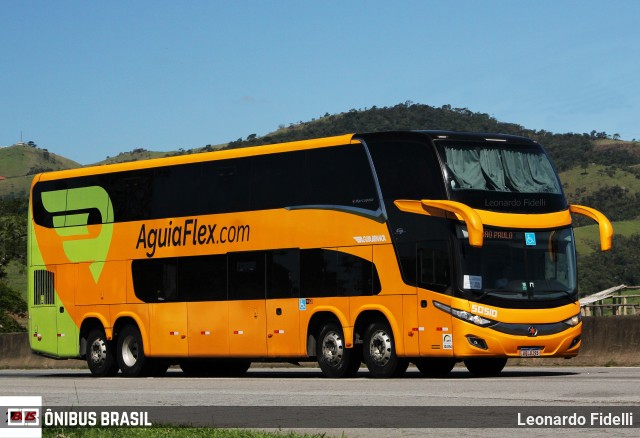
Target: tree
(11,305)
(602,270)
(13,231)
(13,246)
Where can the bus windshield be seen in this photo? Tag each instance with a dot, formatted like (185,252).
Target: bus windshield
(518,265)
(498,167)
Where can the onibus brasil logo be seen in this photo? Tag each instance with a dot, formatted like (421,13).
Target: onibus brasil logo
(22,417)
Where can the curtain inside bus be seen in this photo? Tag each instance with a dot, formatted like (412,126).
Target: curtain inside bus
(504,170)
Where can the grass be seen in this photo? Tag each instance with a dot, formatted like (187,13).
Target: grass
(596,176)
(164,432)
(587,237)
(16,187)
(16,162)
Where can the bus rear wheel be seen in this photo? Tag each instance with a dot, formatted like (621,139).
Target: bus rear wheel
(334,358)
(379,352)
(485,367)
(100,357)
(131,358)
(435,366)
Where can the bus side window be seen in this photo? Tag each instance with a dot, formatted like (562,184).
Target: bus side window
(278,180)
(155,280)
(225,186)
(247,276)
(425,264)
(283,273)
(433,265)
(329,273)
(340,176)
(356,276)
(203,278)
(131,195)
(318,277)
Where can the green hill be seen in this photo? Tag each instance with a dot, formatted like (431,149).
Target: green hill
(18,164)
(21,159)
(611,189)
(584,181)
(587,237)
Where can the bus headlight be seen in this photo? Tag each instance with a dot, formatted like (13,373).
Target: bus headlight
(464,315)
(573,321)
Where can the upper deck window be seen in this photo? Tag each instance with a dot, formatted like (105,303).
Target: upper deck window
(338,178)
(498,167)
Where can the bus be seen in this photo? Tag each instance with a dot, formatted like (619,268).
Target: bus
(423,247)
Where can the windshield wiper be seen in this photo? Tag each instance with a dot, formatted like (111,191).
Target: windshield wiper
(531,296)
(568,295)
(498,291)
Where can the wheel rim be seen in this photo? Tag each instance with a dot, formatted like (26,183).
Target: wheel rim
(129,351)
(380,348)
(98,352)
(332,348)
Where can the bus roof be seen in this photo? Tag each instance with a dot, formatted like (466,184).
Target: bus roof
(198,157)
(272,148)
(453,135)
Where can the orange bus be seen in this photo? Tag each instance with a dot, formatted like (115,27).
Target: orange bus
(429,247)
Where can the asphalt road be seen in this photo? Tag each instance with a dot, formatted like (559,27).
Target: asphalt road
(456,400)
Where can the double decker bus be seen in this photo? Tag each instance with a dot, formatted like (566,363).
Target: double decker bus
(428,247)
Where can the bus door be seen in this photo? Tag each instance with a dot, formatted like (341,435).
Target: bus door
(247,305)
(283,304)
(434,274)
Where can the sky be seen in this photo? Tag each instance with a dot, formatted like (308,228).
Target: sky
(88,80)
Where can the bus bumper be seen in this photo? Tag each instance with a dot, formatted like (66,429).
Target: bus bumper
(472,341)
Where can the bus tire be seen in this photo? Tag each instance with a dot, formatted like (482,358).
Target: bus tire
(379,351)
(334,358)
(100,357)
(485,367)
(130,353)
(435,366)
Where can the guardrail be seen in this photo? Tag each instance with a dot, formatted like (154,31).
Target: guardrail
(613,301)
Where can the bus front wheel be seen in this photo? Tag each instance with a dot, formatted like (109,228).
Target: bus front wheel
(334,358)
(100,357)
(379,351)
(485,367)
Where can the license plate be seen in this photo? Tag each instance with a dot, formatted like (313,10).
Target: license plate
(530,352)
